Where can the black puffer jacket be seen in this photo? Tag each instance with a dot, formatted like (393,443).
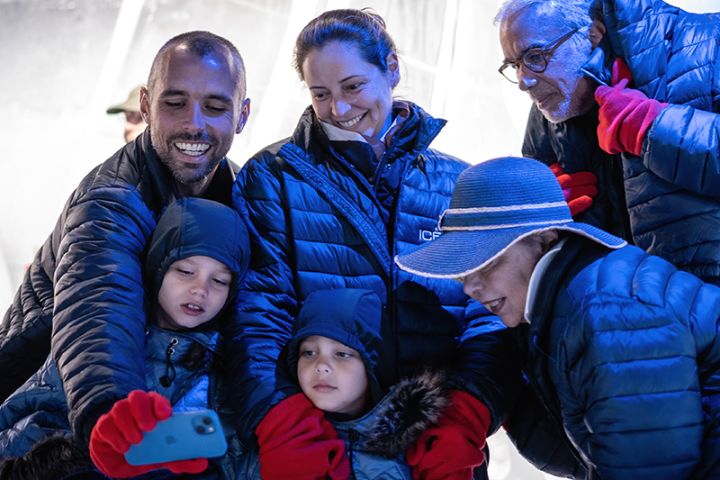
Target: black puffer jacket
(574,145)
(85,284)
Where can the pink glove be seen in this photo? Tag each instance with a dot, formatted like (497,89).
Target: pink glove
(578,188)
(297,442)
(124,425)
(452,449)
(625,114)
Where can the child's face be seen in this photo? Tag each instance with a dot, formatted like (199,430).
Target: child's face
(193,291)
(332,375)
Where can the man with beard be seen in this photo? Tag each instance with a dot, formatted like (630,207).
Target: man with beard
(659,111)
(561,127)
(85,283)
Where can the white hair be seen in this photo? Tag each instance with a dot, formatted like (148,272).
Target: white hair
(572,13)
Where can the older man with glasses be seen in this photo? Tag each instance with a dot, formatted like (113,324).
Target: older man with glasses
(545,44)
(657,164)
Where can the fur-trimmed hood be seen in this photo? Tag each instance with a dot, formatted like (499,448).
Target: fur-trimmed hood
(396,423)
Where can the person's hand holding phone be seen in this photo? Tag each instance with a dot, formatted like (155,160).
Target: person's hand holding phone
(124,425)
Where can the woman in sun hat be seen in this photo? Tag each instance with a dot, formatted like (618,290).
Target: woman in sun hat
(620,346)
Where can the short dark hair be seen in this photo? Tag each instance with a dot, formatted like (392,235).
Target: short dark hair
(202,43)
(364,28)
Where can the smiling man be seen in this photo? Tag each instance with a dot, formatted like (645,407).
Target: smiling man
(627,90)
(85,284)
(545,45)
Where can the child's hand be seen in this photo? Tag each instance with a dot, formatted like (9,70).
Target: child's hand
(123,426)
(454,447)
(297,442)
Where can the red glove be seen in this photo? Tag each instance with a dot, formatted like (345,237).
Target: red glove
(578,188)
(124,425)
(297,442)
(625,113)
(452,448)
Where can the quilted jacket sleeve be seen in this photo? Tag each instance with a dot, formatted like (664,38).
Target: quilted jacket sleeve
(26,327)
(99,317)
(673,56)
(488,365)
(266,301)
(539,438)
(683,147)
(628,367)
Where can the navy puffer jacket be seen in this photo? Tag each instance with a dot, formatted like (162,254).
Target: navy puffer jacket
(86,285)
(574,145)
(623,350)
(673,188)
(321,225)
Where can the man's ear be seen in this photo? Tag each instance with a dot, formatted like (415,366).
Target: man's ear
(145,105)
(244,114)
(596,33)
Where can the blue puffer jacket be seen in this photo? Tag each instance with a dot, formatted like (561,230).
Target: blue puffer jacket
(39,408)
(85,285)
(673,188)
(623,351)
(321,225)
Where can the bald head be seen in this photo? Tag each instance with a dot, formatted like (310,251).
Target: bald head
(202,44)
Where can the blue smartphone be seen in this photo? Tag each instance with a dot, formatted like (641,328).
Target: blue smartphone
(183,436)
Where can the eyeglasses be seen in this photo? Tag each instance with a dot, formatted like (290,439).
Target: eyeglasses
(534,59)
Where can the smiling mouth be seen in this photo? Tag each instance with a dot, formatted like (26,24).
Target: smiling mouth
(352,122)
(192,308)
(495,305)
(192,149)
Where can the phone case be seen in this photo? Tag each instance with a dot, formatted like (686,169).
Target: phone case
(185,435)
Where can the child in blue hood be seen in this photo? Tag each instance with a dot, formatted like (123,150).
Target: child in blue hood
(334,357)
(197,256)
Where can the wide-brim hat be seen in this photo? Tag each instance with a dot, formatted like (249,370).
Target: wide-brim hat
(131,104)
(494,205)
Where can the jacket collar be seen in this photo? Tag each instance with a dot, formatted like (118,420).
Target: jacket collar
(309,131)
(219,190)
(599,64)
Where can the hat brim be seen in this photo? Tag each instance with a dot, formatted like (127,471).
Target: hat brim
(456,254)
(123,107)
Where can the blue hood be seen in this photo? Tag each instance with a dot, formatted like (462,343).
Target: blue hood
(349,316)
(195,226)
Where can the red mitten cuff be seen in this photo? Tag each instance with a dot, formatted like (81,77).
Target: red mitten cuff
(453,447)
(296,441)
(124,425)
